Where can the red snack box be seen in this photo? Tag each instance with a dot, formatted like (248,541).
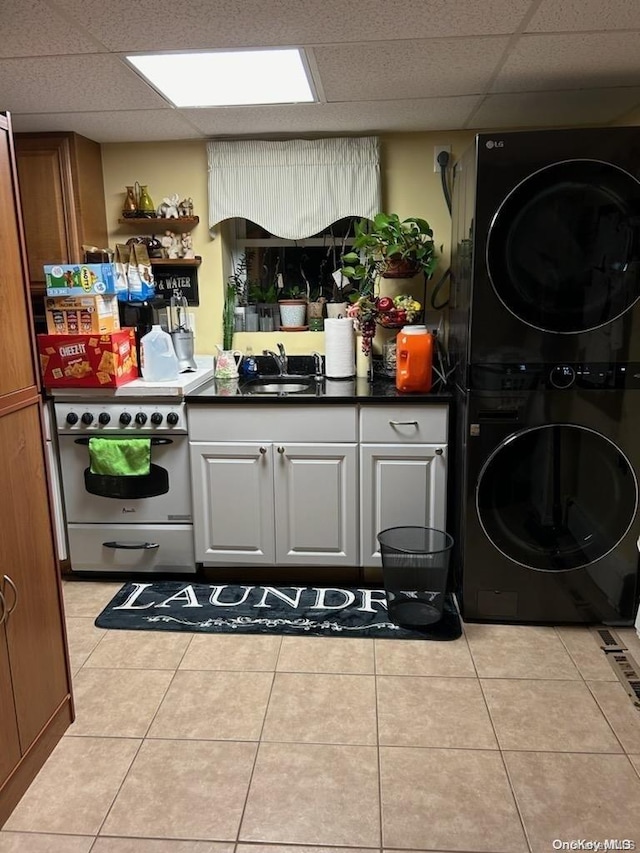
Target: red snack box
(88,361)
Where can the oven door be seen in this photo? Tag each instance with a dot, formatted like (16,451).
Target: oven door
(164,496)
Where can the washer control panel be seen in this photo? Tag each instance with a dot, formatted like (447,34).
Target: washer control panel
(562,376)
(118,417)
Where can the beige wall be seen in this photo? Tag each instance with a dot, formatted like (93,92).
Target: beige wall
(410,188)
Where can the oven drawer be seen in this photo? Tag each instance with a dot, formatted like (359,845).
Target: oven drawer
(152,548)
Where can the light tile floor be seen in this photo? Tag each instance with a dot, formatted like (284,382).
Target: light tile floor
(502,741)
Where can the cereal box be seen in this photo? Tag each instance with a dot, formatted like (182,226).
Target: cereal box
(81,315)
(88,361)
(80,279)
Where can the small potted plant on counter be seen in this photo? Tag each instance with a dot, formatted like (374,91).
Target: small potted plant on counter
(293,309)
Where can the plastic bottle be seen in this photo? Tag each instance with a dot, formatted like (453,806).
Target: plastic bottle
(414,359)
(158,360)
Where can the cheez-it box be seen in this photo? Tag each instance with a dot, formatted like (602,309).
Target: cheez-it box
(88,361)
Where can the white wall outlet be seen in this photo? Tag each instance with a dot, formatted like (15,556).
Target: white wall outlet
(436,150)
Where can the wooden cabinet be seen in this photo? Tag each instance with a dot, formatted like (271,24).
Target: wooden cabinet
(35,696)
(275,501)
(62,193)
(403,479)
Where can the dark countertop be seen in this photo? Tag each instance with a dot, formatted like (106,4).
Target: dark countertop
(381,390)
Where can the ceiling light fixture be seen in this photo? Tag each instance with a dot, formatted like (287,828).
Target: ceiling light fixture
(228,78)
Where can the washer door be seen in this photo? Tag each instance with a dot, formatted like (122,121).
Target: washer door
(555,498)
(563,248)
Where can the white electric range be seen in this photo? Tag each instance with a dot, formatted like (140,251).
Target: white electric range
(127,523)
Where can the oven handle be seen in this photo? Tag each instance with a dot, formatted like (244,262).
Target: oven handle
(132,546)
(154,441)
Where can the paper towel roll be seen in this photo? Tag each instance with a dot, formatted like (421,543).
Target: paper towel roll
(339,348)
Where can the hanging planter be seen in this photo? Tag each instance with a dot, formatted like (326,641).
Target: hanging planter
(400,268)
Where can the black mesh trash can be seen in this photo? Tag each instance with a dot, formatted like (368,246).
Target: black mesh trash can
(415,563)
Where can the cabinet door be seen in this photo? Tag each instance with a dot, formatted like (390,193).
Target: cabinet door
(48,205)
(10,752)
(400,485)
(316,504)
(18,369)
(34,628)
(233,503)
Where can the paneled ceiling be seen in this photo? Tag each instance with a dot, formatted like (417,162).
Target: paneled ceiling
(378,65)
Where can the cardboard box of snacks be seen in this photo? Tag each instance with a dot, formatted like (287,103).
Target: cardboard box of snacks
(80,279)
(82,315)
(88,361)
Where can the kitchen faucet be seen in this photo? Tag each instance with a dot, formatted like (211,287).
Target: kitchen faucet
(280,359)
(317,359)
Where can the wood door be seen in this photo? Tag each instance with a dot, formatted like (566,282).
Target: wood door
(34,628)
(48,206)
(10,752)
(400,485)
(233,512)
(16,359)
(316,504)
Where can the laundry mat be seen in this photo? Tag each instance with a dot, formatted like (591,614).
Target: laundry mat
(243,609)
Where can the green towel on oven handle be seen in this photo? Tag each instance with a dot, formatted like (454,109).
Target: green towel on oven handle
(120,457)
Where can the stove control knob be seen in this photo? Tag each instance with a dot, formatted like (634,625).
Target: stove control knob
(172,418)
(141,419)
(104,418)
(125,419)
(156,418)
(72,418)
(562,376)
(87,418)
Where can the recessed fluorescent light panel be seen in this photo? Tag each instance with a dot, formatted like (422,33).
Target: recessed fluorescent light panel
(228,78)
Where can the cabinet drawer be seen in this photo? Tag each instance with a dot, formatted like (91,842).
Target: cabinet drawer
(425,424)
(273,423)
(174,551)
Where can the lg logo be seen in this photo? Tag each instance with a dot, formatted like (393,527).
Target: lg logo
(494,143)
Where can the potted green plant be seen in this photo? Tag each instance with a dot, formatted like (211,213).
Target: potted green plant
(293,308)
(396,248)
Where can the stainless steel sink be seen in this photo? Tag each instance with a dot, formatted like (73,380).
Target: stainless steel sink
(279,385)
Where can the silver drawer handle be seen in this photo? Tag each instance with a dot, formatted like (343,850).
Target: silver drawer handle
(15,594)
(263,450)
(404,423)
(439,451)
(3,609)
(281,450)
(132,546)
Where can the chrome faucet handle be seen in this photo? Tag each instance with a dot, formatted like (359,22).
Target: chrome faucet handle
(277,359)
(317,358)
(284,362)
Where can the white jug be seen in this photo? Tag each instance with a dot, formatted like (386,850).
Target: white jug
(158,360)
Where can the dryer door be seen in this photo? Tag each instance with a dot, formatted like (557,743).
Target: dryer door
(555,498)
(563,250)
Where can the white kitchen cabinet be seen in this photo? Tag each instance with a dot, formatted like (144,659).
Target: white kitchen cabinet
(403,471)
(274,501)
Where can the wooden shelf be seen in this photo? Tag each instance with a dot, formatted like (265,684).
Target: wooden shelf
(155,224)
(176,262)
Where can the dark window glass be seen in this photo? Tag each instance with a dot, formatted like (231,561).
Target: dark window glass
(563,250)
(557,497)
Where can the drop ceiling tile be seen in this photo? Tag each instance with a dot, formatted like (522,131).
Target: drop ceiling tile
(124,126)
(32,28)
(355,117)
(165,25)
(415,69)
(578,61)
(555,109)
(581,15)
(73,83)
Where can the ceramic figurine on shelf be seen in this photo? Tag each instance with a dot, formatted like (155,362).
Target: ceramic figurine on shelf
(185,208)
(172,245)
(187,246)
(169,207)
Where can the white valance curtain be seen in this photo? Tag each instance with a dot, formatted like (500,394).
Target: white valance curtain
(294,188)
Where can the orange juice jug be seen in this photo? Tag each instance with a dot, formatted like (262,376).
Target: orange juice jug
(414,358)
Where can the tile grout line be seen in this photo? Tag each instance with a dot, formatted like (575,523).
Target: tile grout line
(258,744)
(380,803)
(501,754)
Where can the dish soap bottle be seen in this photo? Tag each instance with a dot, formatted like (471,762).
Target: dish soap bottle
(158,360)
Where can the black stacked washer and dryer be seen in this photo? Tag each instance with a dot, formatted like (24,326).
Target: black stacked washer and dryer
(545,335)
